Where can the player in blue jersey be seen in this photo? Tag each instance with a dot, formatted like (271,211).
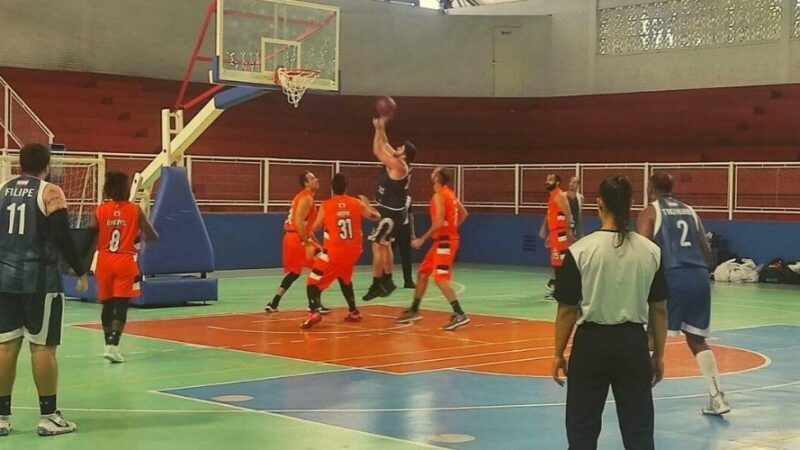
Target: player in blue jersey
(677,229)
(34,233)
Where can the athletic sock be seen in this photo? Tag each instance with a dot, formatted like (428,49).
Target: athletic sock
(47,404)
(5,405)
(275,301)
(376,281)
(351,304)
(708,366)
(314,297)
(415,304)
(107,337)
(457,308)
(114,338)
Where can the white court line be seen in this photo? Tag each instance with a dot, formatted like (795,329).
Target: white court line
(241,330)
(496,363)
(517,406)
(274,414)
(476,355)
(371,410)
(141,411)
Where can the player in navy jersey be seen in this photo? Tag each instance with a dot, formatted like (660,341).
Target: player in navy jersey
(391,197)
(677,229)
(34,232)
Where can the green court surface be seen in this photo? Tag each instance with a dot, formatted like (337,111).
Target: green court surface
(119,406)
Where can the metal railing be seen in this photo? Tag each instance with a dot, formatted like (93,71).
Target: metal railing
(245,184)
(19,123)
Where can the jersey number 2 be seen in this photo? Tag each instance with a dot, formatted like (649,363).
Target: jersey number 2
(12,215)
(684,226)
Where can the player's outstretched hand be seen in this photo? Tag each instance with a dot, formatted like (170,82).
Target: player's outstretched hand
(417,243)
(559,365)
(364,199)
(379,123)
(83,283)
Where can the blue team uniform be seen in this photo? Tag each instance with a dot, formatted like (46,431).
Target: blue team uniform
(676,232)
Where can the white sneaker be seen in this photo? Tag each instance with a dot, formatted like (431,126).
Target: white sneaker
(5,425)
(114,355)
(55,424)
(717,405)
(106,351)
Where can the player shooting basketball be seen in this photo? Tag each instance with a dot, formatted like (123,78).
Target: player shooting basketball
(391,198)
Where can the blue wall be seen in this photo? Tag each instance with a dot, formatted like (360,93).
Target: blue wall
(254,241)
(248,241)
(761,241)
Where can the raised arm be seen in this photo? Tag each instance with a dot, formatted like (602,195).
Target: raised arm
(385,153)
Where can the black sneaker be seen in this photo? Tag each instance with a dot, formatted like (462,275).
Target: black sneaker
(375,291)
(409,285)
(408,316)
(551,285)
(456,321)
(322,310)
(388,288)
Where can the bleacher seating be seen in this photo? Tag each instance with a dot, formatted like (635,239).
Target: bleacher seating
(114,113)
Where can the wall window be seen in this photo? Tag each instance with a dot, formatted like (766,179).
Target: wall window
(796,32)
(680,24)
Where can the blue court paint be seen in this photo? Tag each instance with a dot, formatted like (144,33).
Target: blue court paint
(511,412)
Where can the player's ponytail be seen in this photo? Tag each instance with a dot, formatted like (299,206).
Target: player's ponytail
(617,195)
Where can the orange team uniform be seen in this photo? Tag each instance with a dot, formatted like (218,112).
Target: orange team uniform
(557,224)
(294,253)
(343,244)
(116,270)
(442,254)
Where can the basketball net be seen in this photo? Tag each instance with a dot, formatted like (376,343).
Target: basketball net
(294,82)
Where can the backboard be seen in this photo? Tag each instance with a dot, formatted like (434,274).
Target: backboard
(256,37)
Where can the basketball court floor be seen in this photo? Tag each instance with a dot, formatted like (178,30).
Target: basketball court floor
(227,375)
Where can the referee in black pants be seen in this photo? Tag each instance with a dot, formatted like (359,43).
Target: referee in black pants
(402,241)
(611,285)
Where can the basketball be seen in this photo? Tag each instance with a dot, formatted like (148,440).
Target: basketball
(385,106)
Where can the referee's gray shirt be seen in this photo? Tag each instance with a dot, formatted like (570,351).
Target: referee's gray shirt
(612,285)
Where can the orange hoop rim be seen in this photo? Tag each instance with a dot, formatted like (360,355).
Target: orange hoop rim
(292,73)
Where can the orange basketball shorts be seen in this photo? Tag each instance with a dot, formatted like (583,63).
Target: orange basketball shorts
(294,254)
(117,276)
(332,264)
(439,260)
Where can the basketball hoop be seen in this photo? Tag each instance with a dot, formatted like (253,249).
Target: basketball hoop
(294,82)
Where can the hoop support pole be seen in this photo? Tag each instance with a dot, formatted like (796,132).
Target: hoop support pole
(212,8)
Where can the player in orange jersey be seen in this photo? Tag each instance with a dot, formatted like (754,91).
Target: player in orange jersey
(341,216)
(556,229)
(118,223)
(297,229)
(447,214)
